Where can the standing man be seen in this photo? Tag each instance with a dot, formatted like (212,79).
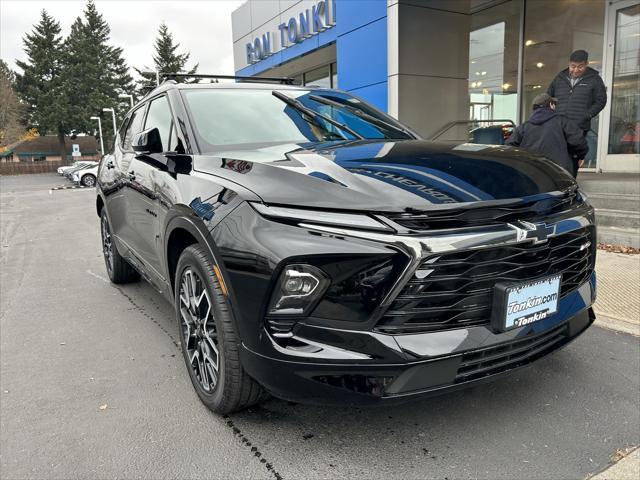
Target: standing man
(580,91)
(551,134)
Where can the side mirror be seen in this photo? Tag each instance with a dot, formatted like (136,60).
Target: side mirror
(147,141)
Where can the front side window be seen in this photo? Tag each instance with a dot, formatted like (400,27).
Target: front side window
(224,117)
(159,116)
(135,126)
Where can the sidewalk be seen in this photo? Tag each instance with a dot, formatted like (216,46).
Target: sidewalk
(618,304)
(618,308)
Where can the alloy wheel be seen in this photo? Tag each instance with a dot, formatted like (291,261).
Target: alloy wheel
(197,325)
(107,244)
(88,181)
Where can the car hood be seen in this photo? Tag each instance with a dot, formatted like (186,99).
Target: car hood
(386,176)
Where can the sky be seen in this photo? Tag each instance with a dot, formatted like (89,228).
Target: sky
(202,28)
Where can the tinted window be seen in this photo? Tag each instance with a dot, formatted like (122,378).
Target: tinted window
(233,117)
(135,126)
(159,116)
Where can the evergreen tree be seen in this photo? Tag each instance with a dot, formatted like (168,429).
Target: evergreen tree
(11,110)
(94,74)
(165,60)
(40,84)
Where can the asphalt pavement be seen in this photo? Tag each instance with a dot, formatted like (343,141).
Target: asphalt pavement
(93,385)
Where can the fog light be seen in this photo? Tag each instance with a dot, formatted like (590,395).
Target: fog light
(298,289)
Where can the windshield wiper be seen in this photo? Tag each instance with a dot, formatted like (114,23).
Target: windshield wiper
(297,104)
(359,113)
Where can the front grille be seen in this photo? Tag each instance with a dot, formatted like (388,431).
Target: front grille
(457,289)
(533,211)
(482,363)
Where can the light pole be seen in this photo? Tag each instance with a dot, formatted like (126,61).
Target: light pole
(100,130)
(126,95)
(153,72)
(113,116)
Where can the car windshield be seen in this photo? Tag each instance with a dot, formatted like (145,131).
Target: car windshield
(224,117)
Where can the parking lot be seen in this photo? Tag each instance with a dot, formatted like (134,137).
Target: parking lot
(92,385)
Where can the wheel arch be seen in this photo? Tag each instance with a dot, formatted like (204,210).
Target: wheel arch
(99,204)
(179,234)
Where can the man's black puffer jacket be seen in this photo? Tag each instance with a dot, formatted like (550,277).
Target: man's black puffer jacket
(553,136)
(582,102)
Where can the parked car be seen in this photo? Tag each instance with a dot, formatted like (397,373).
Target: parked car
(69,173)
(86,176)
(63,170)
(318,250)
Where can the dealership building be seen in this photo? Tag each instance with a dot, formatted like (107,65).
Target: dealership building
(448,67)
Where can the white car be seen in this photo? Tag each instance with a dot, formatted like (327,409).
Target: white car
(86,177)
(80,163)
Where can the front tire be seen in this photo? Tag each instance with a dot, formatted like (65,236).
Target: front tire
(117,267)
(210,344)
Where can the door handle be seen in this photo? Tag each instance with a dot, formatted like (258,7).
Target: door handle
(132,175)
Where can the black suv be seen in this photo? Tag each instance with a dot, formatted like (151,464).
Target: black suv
(318,250)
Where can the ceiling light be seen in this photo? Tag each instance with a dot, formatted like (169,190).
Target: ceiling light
(477,73)
(479,83)
(505,86)
(484,73)
(539,64)
(528,43)
(535,87)
(473,85)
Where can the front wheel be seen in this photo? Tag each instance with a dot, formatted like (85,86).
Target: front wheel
(210,344)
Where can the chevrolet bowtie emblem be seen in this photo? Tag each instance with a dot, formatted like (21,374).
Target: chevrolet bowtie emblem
(538,232)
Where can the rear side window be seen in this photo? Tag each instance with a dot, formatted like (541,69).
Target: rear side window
(159,116)
(135,126)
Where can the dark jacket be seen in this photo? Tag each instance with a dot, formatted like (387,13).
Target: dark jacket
(582,102)
(553,136)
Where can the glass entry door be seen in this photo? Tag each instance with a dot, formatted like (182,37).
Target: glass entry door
(621,125)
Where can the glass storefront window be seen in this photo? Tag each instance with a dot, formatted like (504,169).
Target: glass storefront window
(334,75)
(493,63)
(624,127)
(554,29)
(319,77)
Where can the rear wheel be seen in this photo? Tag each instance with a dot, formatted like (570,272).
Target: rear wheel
(210,344)
(117,267)
(88,180)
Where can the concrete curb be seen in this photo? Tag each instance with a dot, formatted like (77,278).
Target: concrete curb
(627,468)
(617,324)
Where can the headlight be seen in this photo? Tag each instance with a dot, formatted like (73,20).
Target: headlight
(352,220)
(298,289)
(581,195)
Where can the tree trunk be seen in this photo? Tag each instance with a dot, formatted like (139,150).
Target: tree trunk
(63,147)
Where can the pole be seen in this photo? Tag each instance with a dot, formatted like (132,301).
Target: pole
(100,130)
(126,95)
(101,139)
(113,116)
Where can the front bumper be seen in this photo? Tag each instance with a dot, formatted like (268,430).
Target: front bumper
(338,354)
(436,362)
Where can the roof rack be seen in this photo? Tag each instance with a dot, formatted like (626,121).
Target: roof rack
(280,80)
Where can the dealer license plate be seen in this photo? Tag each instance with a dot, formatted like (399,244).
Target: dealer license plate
(529,302)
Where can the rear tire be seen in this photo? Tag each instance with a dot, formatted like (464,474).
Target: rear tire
(117,267)
(210,344)
(88,180)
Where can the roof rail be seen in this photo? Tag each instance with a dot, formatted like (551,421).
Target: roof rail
(174,76)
